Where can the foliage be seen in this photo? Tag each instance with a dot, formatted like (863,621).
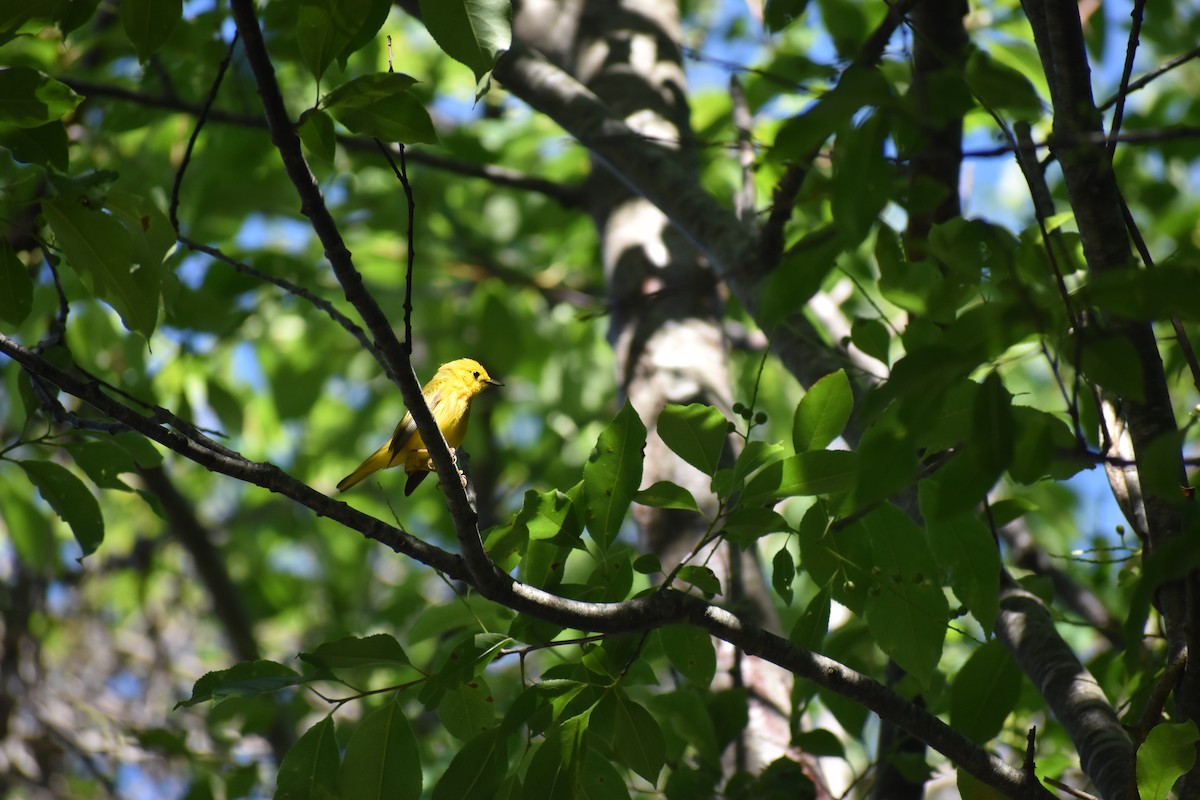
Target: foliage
(179,334)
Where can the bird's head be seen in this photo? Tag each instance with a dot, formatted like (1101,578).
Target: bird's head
(467,373)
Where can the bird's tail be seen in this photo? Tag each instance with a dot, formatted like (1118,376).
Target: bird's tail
(377,461)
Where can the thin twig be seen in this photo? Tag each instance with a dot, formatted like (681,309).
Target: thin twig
(201,118)
(401,173)
(1135,30)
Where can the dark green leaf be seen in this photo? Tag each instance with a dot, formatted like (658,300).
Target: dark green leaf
(382,760)
(612,474)
(244,679)
(818,472)
(809,631)
(746,524)
(16,287)
(647,564)
(478,769)
(966,551)
(29,99)
(696,433)
(992,426)
(1146,294)
(690,651)
(148,23)
(638,739)
(45,145)
(350,652)
(683,713)
(819,742)
(861,177)
(317,135)
(310,769)
(906,610)
(380,105)
(472,32)
(778,14)
(783,572)
(324,28)
(554,518)
(100,250)
(665,494)
(1002,89)
(103,461)
(872,337)
(468,710)
(984,692)
(70,499)
(702,578)
(822,413)
(800,137)
(799,274)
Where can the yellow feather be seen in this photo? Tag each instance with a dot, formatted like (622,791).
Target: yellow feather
(449,394)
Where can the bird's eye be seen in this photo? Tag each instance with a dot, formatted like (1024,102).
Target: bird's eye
(476,374)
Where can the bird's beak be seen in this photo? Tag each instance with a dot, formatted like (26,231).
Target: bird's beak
(493,382)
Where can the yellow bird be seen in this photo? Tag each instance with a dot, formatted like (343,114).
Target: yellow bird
(449,395)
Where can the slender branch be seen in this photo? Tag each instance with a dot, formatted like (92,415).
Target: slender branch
(173,209)
(566,195)
(1135,30)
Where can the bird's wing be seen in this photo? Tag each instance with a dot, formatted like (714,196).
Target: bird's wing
(407,427)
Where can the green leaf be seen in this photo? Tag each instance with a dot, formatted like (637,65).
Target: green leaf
(804,474)
(612,474)
(381,649)
(380,105)
(638,739)
(1146,294)
(966,551)
(1168,754)
(1040,438)
(872,337)
(819,742)
(745,525)
(696,433)
(70,499)
(468,710)
(1002,89)
(310,769)
(317,135)
(29,99)
(553,518)
(665,494)
(472,32)
(690,650)
(1111,361)
(783,572)
(31,535)
(992,426)
(382,759)
(100,250)
(554,768)
(984,693)
(702,578)
(245,679)
(477,770)
(905,608)
(809,631)
(324,28)
(799,274)
(683,713)
(148,23)
(647,564)
(16,287)
(861,177)
(778,14)
(800,137)
(45,145)
(823,412)
(103,461)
